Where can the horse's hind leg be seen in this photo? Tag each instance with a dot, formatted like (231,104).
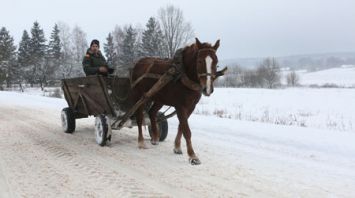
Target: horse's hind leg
(153,121)
(177,148)
(139,118)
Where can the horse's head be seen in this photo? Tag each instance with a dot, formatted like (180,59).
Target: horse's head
(206,66)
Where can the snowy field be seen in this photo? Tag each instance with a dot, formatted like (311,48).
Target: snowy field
(342,77)
(306,107)
(239,158)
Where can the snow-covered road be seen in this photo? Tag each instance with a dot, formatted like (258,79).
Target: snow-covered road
(239,159)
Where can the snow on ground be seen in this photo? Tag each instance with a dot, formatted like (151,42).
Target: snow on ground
(318,108)
(239,158)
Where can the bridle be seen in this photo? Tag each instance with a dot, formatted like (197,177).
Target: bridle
(199,75)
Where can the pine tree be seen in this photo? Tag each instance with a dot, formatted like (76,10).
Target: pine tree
(37,52)
(7,56)
(110,52)
(129,49)
(152,40)
(53,53)
(38,44)
(54,46)
(24,50)
(24,59)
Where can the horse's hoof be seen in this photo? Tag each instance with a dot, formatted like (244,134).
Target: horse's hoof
(178,151)
(154,142)
(195,162)
(141,145)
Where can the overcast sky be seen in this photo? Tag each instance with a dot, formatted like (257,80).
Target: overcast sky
(247,28)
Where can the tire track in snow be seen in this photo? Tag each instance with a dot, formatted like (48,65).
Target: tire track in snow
(107,181)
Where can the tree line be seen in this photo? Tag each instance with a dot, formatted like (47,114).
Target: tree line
(266,75)
(38,61)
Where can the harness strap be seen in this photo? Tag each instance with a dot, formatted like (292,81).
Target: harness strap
(185,80)
(180,74)
(146,75)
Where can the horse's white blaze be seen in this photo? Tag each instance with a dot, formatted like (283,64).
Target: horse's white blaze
(209,70)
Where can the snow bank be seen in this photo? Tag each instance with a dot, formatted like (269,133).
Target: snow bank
(32,98)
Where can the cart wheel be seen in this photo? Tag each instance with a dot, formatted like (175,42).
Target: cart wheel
(162,127)
(68,120)
(101,129)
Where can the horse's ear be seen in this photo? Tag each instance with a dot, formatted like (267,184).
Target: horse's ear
(198,43)
(216,45)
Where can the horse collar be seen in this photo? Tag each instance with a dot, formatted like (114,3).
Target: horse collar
(185,80)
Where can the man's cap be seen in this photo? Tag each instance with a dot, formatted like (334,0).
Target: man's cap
(95,41)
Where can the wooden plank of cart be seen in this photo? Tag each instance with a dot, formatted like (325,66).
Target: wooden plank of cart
(106,98)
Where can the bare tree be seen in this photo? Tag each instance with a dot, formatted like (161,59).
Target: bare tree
(67,59)
(177,32)
(269,72)
(292,79)
(80,44)
(250,78)
(118,35)
(73,45)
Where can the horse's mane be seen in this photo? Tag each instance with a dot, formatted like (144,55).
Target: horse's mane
(190,51)
(193,47)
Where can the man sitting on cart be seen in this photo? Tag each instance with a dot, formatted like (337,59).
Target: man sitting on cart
(94,62)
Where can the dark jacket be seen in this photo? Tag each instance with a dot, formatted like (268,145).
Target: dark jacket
(92,62)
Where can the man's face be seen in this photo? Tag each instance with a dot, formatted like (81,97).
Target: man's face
(94,48)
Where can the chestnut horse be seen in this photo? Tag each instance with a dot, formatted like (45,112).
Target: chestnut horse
(183,93)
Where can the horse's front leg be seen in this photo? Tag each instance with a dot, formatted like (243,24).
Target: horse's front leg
(183,115)
(177,148)
(153,121)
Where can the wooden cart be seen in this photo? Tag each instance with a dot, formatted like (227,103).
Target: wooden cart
(107,99)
